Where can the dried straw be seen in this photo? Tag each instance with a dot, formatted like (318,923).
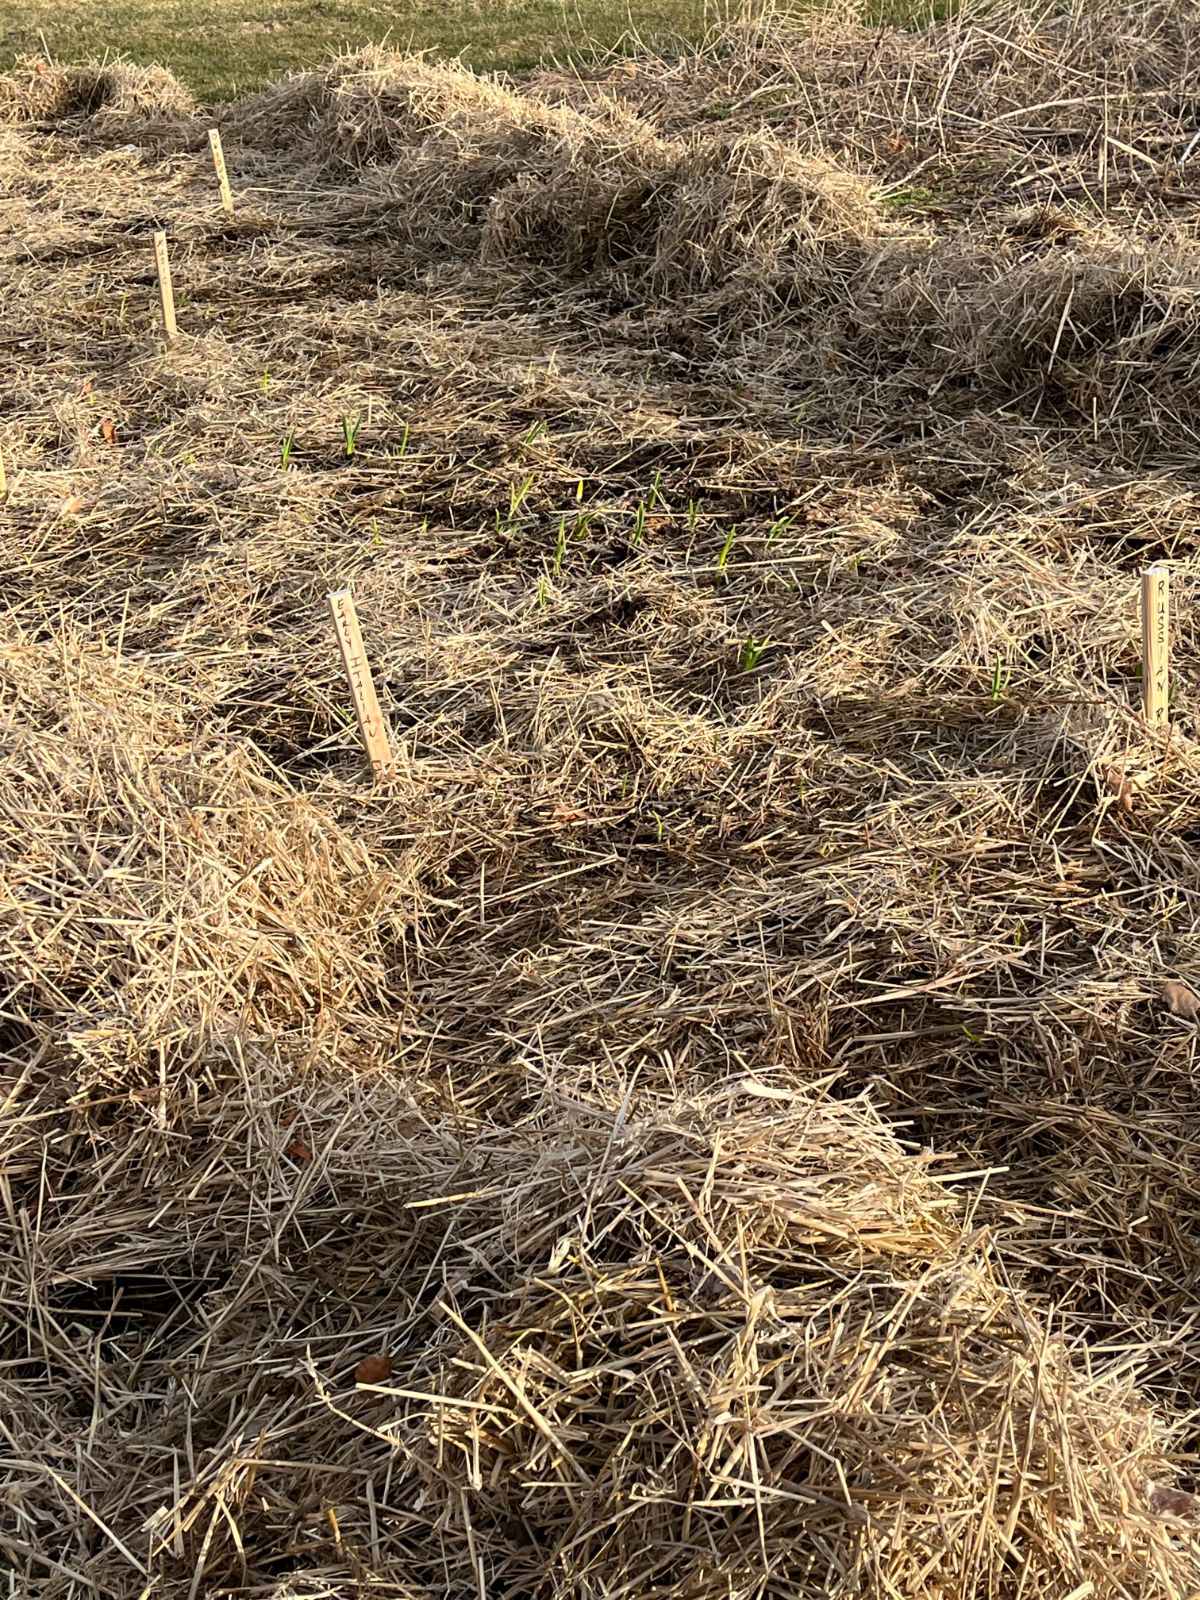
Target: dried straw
(724,1070)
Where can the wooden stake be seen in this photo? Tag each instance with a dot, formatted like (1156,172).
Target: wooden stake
(218,155)
(372,728)
(166,294)
(1156,643)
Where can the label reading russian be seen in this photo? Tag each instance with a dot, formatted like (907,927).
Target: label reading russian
(1156,644)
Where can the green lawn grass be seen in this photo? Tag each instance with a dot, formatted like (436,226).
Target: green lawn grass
(221,47)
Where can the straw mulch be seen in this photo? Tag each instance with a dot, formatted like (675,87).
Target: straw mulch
(719,1119)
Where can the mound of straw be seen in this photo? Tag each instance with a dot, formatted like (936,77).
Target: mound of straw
(41,91)
(758,1348)
(717,1119)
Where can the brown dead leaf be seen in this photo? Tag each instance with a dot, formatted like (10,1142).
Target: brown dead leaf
(299,1151)
(1120,786)
(72,506)
(1170,1502)
(109,430)
(373,1369)
(1181,1001)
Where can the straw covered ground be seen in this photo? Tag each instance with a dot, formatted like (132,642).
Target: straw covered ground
(720,1119)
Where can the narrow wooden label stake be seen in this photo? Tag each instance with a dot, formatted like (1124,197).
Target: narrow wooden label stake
(218,155)
(1156,643)
(372,728)
(166,294)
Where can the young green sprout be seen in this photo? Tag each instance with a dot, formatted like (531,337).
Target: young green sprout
(692,514)
(264,382)
(350,427)
(531,438)
(639,523)
(726,548)
(752,652)
(517,493)
(404,442)
(289,444)
(1000,679)
(560,546)
(656,498)
(780,525)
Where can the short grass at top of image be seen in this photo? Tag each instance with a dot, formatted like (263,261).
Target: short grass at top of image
(221,49)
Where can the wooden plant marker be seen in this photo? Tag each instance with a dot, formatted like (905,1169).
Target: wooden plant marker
(166,295)
(1156,643)
(218,155)
(372,728)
